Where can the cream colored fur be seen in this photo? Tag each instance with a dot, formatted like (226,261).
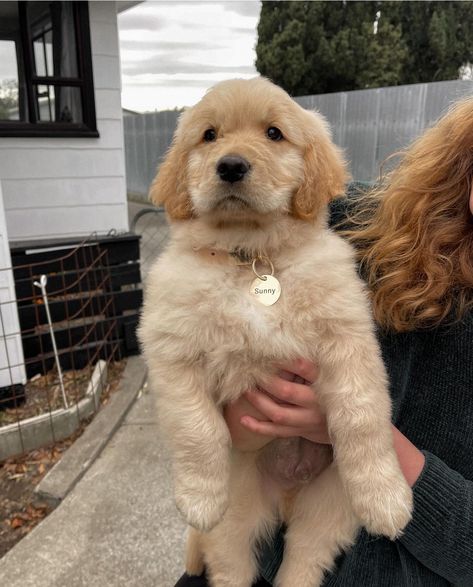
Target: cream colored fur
(206,340)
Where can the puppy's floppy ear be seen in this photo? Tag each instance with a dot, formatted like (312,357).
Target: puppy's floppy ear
(169,187)
(325,173)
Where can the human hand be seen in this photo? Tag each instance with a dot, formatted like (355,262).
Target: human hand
(410,458)
(287,406)
(243,438)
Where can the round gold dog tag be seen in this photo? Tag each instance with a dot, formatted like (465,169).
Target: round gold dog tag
(266,290)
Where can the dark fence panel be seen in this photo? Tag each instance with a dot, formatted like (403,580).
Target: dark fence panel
(94,296)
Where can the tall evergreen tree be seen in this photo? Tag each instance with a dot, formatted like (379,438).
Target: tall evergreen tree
(328,46)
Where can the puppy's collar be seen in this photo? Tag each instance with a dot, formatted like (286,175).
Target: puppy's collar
(266,288)
(238,257)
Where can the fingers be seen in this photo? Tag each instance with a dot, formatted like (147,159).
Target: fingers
(302,368)
(269,428)
(305,369)
(287,392)
(287,375)
(287,406)
(272,430)
(241,407)
(285,414)
(242,437)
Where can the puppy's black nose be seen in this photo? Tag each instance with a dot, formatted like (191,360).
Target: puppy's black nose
(232,168)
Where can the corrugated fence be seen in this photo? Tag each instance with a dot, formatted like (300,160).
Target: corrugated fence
(147,137)
(369,125)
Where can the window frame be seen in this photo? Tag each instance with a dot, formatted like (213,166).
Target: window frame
(84,81)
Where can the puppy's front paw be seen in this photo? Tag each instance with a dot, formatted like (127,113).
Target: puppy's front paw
(385,506)
(202,504)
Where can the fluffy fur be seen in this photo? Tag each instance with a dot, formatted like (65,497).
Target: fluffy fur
(206,340)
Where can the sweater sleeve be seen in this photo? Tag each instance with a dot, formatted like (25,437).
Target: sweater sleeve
(440,534)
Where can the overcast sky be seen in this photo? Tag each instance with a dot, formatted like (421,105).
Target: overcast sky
(171,52)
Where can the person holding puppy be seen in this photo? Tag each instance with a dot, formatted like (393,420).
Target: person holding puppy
(414,237)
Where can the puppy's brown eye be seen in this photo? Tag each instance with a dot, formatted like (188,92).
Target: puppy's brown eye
(210,135)
(274,134)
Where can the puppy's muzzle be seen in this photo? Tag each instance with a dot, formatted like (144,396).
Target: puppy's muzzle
(232,168)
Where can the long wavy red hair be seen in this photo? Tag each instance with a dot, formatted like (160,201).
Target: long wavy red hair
(414,233)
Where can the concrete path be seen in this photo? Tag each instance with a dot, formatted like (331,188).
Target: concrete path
(118,527)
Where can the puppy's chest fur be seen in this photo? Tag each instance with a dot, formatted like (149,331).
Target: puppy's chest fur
(242,338)
(204,314)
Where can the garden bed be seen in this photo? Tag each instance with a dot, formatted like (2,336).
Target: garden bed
(20,508)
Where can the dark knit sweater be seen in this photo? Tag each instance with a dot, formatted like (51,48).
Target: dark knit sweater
(431,382)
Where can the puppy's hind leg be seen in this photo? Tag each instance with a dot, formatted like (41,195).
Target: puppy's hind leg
(194,554)
(230,548)
(321,526)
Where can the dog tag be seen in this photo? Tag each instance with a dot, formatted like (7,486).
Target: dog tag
(266,290)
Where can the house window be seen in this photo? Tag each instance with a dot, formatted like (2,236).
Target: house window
(46,81)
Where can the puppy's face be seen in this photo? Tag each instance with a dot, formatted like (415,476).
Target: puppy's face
(249,152)
(243,160)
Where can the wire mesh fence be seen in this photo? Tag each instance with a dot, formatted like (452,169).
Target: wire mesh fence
(67,315)
(151,225)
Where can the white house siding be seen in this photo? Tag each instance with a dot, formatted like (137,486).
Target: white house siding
(12,368)
(67,187)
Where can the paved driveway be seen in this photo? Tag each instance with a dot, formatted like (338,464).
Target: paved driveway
(118,527)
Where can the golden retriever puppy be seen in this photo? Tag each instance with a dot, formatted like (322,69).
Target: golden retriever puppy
(253,277)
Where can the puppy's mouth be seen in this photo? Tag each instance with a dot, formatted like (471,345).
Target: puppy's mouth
(232,202)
